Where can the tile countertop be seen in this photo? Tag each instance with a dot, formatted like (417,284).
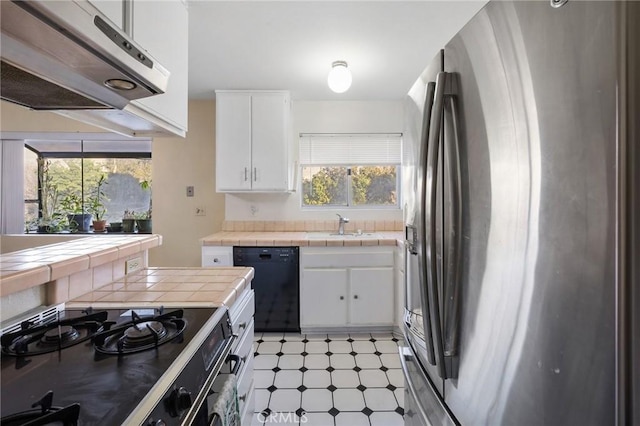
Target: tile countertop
(23,269)
(302,239)
(170,287)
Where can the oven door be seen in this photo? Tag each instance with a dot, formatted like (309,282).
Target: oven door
(222,403)
(181,400)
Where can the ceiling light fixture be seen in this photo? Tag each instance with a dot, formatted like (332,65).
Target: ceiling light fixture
(339,77)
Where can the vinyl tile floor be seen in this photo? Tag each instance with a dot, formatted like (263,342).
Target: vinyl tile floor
(328,380)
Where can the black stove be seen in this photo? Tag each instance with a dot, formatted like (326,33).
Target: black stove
(113,366)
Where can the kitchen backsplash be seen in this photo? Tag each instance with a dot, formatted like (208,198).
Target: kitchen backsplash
(311,225)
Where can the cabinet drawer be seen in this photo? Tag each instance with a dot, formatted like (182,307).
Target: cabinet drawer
(243,346)
(245,375)
(247,413)
(349,258)
(245,380)
(217,256)
(241,313)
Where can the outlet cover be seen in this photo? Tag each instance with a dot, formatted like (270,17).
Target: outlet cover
(190,191)
(132,265)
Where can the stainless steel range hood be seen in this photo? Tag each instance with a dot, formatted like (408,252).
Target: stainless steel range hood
(66,55)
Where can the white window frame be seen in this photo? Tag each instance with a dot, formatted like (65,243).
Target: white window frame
(354,158)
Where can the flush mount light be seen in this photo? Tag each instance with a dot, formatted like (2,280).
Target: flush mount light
(120,84)
(339,77)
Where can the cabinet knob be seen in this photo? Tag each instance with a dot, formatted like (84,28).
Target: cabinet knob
(341,297)
(243,397)
(355,296)
(216,260)
(242,325)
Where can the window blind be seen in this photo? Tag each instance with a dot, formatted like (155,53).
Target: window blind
(350,149)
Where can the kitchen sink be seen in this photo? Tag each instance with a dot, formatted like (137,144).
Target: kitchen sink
(336,236)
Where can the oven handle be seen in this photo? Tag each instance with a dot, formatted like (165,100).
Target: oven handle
(238,363)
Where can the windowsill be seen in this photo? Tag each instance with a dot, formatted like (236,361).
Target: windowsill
(88,233)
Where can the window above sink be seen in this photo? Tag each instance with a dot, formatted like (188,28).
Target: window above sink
(350,170)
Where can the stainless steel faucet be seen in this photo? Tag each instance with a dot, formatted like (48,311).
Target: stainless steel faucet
(341,222)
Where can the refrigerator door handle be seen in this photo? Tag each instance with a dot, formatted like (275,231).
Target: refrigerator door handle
(451,287)
(430,218)
(424,292)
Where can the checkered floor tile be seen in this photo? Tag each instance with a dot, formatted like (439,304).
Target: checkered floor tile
(328,380)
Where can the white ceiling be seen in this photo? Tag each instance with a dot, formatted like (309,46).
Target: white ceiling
(291,44)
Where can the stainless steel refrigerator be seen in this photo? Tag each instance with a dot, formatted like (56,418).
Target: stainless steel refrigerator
(521,205)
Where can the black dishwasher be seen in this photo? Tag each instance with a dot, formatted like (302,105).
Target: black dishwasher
(276,285)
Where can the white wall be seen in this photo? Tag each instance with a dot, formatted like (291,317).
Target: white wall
(178,163)
(321,117)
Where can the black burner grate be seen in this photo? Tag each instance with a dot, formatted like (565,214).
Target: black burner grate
(35,339)
(141,333)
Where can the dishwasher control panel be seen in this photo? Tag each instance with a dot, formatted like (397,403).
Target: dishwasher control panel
(241,255)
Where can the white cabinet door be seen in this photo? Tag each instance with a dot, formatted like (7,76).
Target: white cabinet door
(252,141)
(269,141)
(399,284)
(371,296)
(112,9)
(323,297)
(233,141)
(162,27)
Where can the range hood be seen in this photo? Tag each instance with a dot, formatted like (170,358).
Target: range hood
(66,55)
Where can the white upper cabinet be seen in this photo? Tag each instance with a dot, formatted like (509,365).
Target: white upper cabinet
(112,9)
(233,141)
(252,141)
(162,27)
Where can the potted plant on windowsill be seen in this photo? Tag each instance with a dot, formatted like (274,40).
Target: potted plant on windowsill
(128,221)
(96,206)
(143,220)
(50,219)
(79,221)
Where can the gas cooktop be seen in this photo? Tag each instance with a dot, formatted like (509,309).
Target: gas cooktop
(100,366)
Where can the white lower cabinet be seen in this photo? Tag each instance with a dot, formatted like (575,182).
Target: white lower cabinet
(371,296)
(323,297)
(217,256)
(346,287)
